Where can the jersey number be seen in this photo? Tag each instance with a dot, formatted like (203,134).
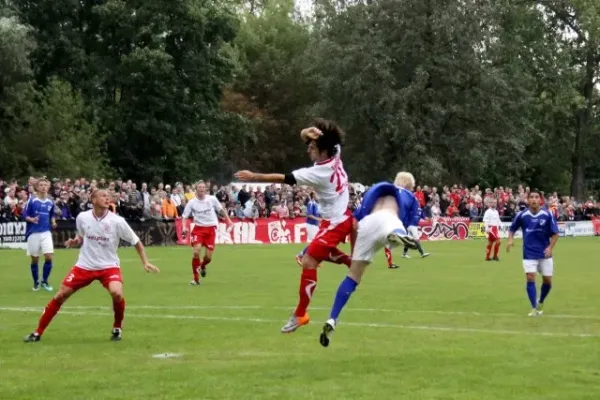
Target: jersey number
(339,177)
(70,278)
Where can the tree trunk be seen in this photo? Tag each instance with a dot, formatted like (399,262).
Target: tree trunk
(584,124)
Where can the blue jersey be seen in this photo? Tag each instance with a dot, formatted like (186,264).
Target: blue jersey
(537,231)
(312,208)
(44,210)
(403,198)
(411,211)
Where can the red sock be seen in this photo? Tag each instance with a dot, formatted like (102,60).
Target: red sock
(119,309)
(205,262)
(308,283)
(496,249)
(337,256)
(49,312)
(195,266)
(488,250)
(388,256)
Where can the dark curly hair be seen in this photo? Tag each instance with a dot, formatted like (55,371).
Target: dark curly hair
(332,136)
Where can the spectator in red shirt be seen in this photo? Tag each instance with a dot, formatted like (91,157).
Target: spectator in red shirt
(420,196)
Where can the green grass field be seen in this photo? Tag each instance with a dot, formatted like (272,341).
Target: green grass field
(447,327)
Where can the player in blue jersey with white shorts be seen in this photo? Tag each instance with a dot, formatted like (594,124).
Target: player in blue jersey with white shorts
(313,219)
(411,218)
(379,224)
(39,215)
(540,234)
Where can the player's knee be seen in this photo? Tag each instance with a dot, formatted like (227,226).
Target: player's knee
(530,277)
(34,260)
(117,295)
(207,258)
(63,294)
(48,257)
(309,263)
(547,280)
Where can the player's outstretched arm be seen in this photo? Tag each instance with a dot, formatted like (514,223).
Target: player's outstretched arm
(249,176)
(139,247)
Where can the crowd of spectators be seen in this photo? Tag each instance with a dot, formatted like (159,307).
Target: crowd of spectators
(165,201)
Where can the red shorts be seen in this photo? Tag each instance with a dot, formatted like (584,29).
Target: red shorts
(79,278)
(206,236)
(329,236)
(493,233)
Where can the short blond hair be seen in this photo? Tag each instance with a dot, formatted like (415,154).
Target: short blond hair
(405,180)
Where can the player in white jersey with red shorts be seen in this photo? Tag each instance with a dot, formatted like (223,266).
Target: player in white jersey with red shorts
(99,231)
(492,222)
(205,209)
(329,179)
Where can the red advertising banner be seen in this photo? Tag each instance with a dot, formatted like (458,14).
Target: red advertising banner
(281,231)
(444,229)
(596,222)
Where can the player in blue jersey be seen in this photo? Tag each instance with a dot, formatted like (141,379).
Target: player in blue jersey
(39,215)
(406,183)
(540,234)
(379,224)
(313,219)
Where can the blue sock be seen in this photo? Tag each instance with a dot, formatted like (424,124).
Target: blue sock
(342,296)
(544,291)
(47,270)
(35,273)
(532,294)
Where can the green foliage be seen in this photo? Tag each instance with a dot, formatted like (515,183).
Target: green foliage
(479,91)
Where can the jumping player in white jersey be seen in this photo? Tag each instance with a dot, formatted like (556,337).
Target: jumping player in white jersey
(492,222)
(205,209)
(328,177)
(99,231)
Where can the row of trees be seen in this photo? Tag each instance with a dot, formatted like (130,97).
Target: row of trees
(473,91)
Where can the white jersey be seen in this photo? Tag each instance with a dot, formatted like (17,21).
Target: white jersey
(101,237)
(205,212)
(330,181)
(491,218)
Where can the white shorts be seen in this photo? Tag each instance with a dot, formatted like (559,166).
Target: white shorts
(545,266)
(40,243)
(373,231)
(413,231)
(311,231)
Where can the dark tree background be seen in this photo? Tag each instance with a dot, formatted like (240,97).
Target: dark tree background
(473,91)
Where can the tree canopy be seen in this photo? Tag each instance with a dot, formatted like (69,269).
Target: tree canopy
(471,91)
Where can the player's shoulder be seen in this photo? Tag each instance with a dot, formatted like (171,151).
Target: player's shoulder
(84,215)
(111,216)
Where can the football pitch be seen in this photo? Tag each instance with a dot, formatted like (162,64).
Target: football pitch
(447,327)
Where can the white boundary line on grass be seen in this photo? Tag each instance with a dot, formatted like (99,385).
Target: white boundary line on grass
(368,310)
(357,324)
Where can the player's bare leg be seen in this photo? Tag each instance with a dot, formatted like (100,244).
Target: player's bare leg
(205,261)
(50,312)
(544,291)
(46,272)
(308,283)
(357,270)
(115,289)
(531,293)
(35,273)
(196,263)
